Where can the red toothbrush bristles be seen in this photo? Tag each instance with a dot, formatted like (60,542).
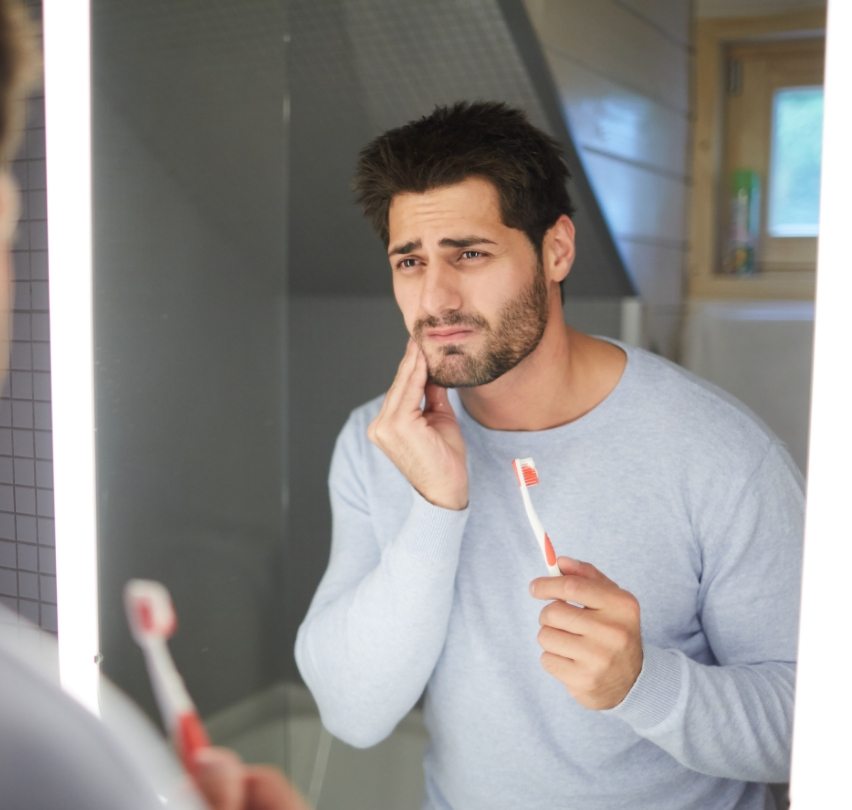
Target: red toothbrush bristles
(145,615)
(530,475)
(526,473)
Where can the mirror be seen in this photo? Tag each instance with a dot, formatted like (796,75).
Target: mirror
(242,308)
(190,144)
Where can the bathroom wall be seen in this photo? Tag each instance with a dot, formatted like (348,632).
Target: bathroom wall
(189,225)
(27,557)
(622,71)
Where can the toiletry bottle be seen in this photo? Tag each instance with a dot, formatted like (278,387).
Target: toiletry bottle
(744,227)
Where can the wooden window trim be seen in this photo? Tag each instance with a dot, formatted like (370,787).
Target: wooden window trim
(712,37)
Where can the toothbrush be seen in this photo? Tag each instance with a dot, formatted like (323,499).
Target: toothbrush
(152,621)
(528,477)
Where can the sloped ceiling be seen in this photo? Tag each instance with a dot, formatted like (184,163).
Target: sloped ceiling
(259,110)
(359,67)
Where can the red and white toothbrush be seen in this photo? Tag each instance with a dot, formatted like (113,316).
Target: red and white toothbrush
(528,477)
(152,621)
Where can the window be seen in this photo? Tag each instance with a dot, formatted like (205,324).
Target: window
(773,128)
(757,81)
(795,156)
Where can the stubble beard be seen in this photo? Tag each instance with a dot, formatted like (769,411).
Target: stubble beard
(520,327)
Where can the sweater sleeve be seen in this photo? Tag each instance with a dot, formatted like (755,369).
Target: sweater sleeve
(734,718)
(378,620)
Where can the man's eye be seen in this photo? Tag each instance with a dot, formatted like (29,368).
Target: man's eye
(472,254)
(407,264)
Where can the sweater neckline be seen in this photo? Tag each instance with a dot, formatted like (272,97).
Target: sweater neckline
(601,413)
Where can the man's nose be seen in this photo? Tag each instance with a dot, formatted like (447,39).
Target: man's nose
(440,292)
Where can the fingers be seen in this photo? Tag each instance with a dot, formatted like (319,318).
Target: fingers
(571,588)
(568,565)
(218,773)
(580,582)
(581,636)
(425,442)
(227,784)
(595,651)
(436,398)
(407,388)
(405,392)
(267,789)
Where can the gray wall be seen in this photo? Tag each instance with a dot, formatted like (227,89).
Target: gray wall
(189,328)
(27,557)
(355,345)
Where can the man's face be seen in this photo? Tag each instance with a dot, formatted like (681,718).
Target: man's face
(471,290)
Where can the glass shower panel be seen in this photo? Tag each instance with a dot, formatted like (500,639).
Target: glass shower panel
(190,210)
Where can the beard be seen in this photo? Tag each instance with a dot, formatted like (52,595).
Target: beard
(518,330)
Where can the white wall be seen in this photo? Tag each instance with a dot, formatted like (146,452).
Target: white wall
(622,72)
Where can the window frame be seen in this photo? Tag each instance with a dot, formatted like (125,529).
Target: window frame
(763,68)
(713,38)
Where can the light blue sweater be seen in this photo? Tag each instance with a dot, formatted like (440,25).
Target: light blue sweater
(680,496)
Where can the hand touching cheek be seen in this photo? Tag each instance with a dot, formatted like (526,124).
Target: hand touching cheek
(595,650)
(424,441)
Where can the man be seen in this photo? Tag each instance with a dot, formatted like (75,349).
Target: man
(53,753)
(673,686)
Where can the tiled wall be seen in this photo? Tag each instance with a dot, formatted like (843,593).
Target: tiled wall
(27,556)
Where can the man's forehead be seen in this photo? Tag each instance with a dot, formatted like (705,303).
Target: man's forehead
(456,212)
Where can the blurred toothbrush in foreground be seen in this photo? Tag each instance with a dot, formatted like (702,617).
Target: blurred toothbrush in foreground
(152,621)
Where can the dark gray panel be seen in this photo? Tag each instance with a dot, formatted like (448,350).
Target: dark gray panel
(189,183)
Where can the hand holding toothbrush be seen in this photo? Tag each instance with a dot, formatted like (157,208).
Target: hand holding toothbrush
(424,441)
(223,780)
(152,621)
(228,784)
(595,650)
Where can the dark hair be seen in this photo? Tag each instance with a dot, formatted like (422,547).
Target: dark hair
(482,139)
(18,68)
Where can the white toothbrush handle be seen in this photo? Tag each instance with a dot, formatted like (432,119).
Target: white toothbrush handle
(540,535)
(172,698)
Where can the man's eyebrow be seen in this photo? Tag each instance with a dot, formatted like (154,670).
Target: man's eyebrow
(462,242)
(466,241)
(407,247)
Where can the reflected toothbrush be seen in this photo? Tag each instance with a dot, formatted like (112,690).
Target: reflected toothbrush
(528,477)
(152,621)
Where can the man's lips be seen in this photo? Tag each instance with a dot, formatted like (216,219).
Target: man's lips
(448,334)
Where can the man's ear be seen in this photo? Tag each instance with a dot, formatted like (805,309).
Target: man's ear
(558,249)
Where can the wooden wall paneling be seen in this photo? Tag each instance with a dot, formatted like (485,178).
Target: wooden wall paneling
(638,202)
(610,118)
(617,44)
(657,270)
(671,16)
